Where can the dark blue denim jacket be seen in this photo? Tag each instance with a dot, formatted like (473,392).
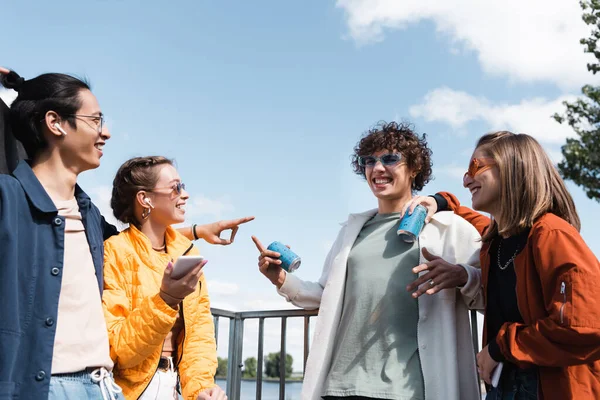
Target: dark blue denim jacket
(31,264)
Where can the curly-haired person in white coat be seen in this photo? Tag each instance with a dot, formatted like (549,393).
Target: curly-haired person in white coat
(393,316)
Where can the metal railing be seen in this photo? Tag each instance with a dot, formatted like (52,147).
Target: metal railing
(236,339)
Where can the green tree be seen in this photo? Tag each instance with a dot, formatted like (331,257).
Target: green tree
(250,367)
(272,365)
(582,154)
(221,367)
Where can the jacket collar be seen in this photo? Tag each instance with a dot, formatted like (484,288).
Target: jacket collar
(37,194)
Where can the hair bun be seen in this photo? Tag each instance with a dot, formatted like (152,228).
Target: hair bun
(12,80)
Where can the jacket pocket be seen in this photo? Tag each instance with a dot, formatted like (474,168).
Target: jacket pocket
(563,294)
(18,288)
(7,391)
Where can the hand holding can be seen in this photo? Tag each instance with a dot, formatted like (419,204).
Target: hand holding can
(411,225)
(290,261)
(270,264)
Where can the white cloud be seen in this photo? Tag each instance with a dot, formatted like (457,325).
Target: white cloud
(8,95)
(531,116)
(450,106)
(535,40)
(222,288)
(202,205)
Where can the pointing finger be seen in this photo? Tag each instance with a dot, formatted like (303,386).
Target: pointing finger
(258,244)
(235,222)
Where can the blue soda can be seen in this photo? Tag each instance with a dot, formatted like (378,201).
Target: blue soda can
(290,261)
(411,225)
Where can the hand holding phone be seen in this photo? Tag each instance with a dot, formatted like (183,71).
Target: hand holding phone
(174,290)
(185,264)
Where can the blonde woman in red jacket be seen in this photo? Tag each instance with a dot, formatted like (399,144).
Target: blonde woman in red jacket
(541,281)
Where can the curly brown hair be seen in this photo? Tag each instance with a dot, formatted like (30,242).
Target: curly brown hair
(139,173)
(400,137)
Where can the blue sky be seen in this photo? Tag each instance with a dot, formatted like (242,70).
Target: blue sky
(261,103)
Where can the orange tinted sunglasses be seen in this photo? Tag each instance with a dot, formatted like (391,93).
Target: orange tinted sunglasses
(478,165)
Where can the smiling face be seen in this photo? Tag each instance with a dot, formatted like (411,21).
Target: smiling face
(483,181)
(82,146)
(168,198)
(389,182)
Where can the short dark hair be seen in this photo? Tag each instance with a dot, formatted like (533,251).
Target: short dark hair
(37,96)
(399,137)
(139,173)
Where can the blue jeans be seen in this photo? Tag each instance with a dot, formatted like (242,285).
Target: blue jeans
(79,386)
(515,384)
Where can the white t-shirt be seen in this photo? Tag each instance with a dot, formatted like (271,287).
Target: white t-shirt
(81,339)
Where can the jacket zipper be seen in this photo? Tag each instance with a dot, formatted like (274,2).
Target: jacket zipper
(563,291)
(418,341)
(180,356)
(163,345)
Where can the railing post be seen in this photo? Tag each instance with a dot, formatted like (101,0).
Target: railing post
(230,359)
(282,360)
(260,362)
(306,343)
(234,362)
(216,323)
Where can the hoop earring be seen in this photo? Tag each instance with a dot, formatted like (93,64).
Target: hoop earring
(146,213)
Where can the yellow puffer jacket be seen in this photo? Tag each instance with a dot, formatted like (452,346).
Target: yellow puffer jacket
(138,320)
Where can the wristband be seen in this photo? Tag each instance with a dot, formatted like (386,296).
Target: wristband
(194,232)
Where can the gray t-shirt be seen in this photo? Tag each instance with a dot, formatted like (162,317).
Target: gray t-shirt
(376,353)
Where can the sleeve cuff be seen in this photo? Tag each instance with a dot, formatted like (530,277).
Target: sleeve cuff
(442,204)
(290,288)
(473,285)
(163,310)
(495,352)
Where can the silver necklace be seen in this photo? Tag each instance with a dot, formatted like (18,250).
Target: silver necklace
(509,261)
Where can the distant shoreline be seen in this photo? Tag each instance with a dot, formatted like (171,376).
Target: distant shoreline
(265,379)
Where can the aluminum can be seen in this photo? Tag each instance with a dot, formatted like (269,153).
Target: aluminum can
(411,225)
(290,261)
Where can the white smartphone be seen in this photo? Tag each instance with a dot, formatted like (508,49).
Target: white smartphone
(496,374)
(185,264)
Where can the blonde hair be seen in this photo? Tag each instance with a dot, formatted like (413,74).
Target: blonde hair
(530,185)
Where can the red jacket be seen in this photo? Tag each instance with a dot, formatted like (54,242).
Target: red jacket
(558,294)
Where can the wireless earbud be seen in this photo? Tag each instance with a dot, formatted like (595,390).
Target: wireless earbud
(60,129)
(147,201)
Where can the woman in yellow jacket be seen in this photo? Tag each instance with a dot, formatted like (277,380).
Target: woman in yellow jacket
(160,329)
